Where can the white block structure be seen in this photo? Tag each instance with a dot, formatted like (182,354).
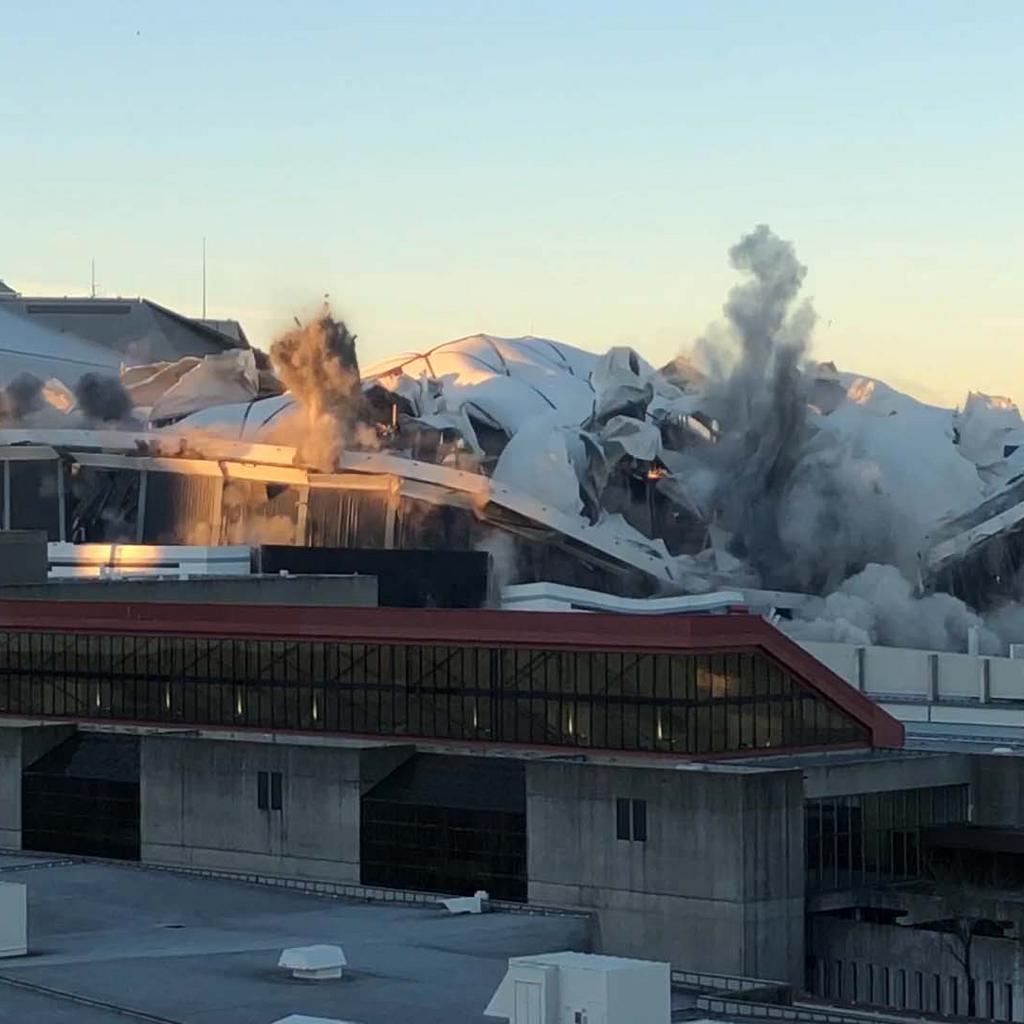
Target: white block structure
(313,963)
(583,988)
(466,904)
(13,919)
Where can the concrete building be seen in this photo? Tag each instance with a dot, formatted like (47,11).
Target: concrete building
(134,330)
(700,787)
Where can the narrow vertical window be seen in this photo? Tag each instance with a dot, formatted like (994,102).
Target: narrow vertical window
(262,791)
(640,821)
(622,819)
(275,791)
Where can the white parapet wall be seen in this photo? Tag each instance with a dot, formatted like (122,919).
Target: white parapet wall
(901,674)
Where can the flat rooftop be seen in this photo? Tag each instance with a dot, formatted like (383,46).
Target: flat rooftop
(153,945)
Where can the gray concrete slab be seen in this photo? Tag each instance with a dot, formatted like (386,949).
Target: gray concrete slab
(202,951)
(18,1007)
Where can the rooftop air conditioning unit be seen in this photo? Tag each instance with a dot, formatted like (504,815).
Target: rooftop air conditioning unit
(581,988)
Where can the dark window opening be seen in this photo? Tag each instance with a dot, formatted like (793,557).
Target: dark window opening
(622,821)
(640,820)
(262,790)
(450,825)
(631,820)
(275,791)
(83,798)
(865,838)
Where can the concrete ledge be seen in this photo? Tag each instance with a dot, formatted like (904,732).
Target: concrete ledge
(235,861)
(354,891)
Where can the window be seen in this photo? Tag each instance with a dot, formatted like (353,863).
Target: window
(674,702)
(640,821)
(269,786)
(631,820)
(864,838)
(622,820)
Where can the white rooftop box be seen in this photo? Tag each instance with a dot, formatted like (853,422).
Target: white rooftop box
(313,963)
(13,919)
(582,988)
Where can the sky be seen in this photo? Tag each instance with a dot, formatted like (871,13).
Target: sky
(571,170)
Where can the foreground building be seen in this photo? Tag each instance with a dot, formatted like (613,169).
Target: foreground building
(707,791)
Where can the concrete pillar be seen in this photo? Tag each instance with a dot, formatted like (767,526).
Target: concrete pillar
(200,804)
(718,884)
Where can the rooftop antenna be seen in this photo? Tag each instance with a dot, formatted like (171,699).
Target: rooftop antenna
(204,277)
(92,293)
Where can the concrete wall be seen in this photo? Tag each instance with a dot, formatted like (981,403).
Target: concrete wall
(23,556)
(717,886)
(883,774)
(20,746)
(199,805)
(313,591)
(896,966)
(998,791)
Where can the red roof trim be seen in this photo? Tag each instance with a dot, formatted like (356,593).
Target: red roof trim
(474,627)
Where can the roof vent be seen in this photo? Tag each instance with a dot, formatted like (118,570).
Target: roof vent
(313,963)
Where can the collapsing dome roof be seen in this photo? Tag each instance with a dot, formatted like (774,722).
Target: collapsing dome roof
(760,470)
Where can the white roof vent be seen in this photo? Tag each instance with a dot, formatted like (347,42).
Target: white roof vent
(313,963)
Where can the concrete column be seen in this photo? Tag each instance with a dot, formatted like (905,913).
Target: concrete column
(200,804)
(718,885)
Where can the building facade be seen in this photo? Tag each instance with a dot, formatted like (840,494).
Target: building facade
(712,794)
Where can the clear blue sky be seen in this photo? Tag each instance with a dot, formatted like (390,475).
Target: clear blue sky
(574,169)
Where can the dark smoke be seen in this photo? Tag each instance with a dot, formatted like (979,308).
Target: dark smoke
(801,508)
(22,397)
(102,399)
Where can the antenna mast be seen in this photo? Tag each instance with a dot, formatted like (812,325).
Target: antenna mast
(92,293)
(204,277)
